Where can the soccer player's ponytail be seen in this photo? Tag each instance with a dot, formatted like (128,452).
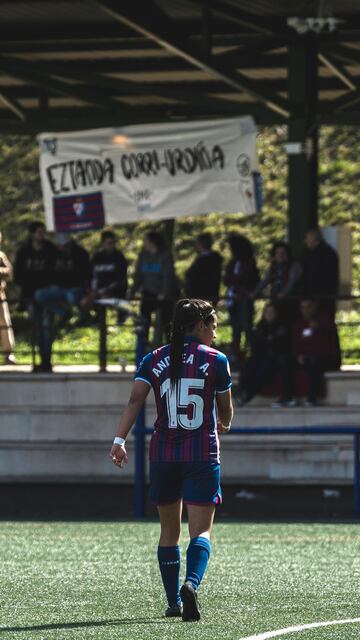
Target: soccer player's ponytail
(187,314)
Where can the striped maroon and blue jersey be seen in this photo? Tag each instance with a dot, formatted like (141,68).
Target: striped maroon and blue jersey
(185,428)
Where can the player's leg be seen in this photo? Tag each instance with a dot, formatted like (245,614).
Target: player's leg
(169,554)
(201,519)
(197,557)
(170,523)
(201,493)
(165,492)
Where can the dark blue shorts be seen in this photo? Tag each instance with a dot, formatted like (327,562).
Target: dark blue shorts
(195,482)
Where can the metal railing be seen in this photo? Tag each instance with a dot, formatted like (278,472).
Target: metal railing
(99,322)
(102,325)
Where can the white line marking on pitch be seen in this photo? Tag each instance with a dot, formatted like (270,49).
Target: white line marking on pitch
(300,627)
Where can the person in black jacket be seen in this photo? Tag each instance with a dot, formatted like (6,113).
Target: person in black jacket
(70,277)
(271,355)
(34,270)
(34,264)
(109,268)
(320,278)
(241,278)
(202,279)
(108,273)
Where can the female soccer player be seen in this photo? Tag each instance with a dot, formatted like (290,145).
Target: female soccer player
(192,387)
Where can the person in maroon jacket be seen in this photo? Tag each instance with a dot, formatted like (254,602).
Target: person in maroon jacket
(315,345)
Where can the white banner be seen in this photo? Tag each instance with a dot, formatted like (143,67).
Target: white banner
(149,172)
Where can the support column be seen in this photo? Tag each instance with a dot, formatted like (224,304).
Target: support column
(302,141)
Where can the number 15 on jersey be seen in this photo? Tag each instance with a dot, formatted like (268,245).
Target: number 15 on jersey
(178,399)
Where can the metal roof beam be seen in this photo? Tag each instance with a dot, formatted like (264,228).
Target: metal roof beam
(235,14)
(92,30)
(78,118)
(344,54)
(12,43)
(185,91)
(351,98)
(155,64)
(254,52)
(347,118)
(347,101)
(119,87)
(65,45)
(147,19)
(338,70)
(13,105)
(29,71)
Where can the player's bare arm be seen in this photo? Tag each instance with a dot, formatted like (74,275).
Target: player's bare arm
(137,398)
(225,411)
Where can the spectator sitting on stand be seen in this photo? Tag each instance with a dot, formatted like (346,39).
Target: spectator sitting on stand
(315,346)
(7,339)
(155,277)
(271,355)
(71,279)
(33,270)
(320,278)
(108,274)
(202,279)
(282,277)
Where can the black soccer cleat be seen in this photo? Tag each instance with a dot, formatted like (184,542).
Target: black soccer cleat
(175,611)
(189,599)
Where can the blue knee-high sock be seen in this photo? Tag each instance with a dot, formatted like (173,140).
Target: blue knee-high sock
(197,558)
(169,563)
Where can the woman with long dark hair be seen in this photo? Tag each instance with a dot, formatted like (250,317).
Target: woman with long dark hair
(282,277)
(155,278)
(192,387)
(241,277)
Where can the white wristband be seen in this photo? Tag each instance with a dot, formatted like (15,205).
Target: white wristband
(227,426)
(119,441)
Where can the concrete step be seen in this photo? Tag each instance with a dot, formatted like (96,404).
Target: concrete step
(342,388)
(71,443)
(59,428)
(98,423)
(92,389)
(327,415)
(244,459)
(67,389)
(59,423)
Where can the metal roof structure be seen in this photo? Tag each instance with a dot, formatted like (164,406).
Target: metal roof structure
(80,64)
(70,64)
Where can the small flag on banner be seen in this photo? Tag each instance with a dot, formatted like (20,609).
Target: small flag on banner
(79,213)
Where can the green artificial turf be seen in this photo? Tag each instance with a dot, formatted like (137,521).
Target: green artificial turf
(101,581)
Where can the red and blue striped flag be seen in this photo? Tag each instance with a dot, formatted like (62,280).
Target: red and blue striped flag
(79,213)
